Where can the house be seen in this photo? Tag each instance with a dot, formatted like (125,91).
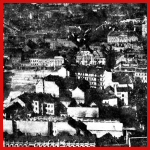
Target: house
(78,95)
(83,112)
(34,62)
(16,58)
(95,47)
(26,48)
(123,79)
(117,37)
(55,61)
(120,59)
(66,43)
(63,72)
(85,57)
(142,74)
(91,74)
(49,87)
(40,103)
(12,95)
(16,100)
(65,101)
(35,36)
(110,101)
(107,78)
(144,27)
(25,64)
(122,93)
(58,61)
(93,104)
(18,107)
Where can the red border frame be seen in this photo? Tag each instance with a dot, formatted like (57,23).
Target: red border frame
(56,1)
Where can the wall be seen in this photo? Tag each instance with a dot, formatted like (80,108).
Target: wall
(7,126)
(76,112)
(62,126)
(101,128)
(107,80)
(33,127)
(111,101)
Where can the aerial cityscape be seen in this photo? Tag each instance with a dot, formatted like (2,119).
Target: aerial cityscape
(75,75)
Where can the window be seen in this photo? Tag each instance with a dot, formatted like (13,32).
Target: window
(122,95)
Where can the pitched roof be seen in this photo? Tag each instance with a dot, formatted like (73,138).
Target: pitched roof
(17,100)
(65,98)
(90,70)
(122,89)
(122,33)
(122,77)
(141,70)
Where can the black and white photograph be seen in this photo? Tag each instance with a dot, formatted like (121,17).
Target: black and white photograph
(75,75)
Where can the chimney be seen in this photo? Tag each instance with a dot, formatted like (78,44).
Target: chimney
(115,89)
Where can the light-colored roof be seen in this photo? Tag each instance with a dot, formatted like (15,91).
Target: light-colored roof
(122,33)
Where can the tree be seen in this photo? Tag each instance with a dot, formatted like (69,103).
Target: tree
(128,117)
(83,114)
(138,98)
(110,59)
(94,114)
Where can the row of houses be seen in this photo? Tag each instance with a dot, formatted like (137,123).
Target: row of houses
(57,61)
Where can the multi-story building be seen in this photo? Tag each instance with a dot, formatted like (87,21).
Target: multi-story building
(57,61)
(66,43)
(43,107)
(118,37)
(34,36)
(49,87)
(122,93)
(87,58)
(93,75)
(144,27)
(142,74)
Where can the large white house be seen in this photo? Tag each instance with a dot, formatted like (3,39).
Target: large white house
(78,95)
(49,87)
(121,37)
(122,93)
(144,27)
(85,57)
(39,107)
(142,74)
(63,72)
